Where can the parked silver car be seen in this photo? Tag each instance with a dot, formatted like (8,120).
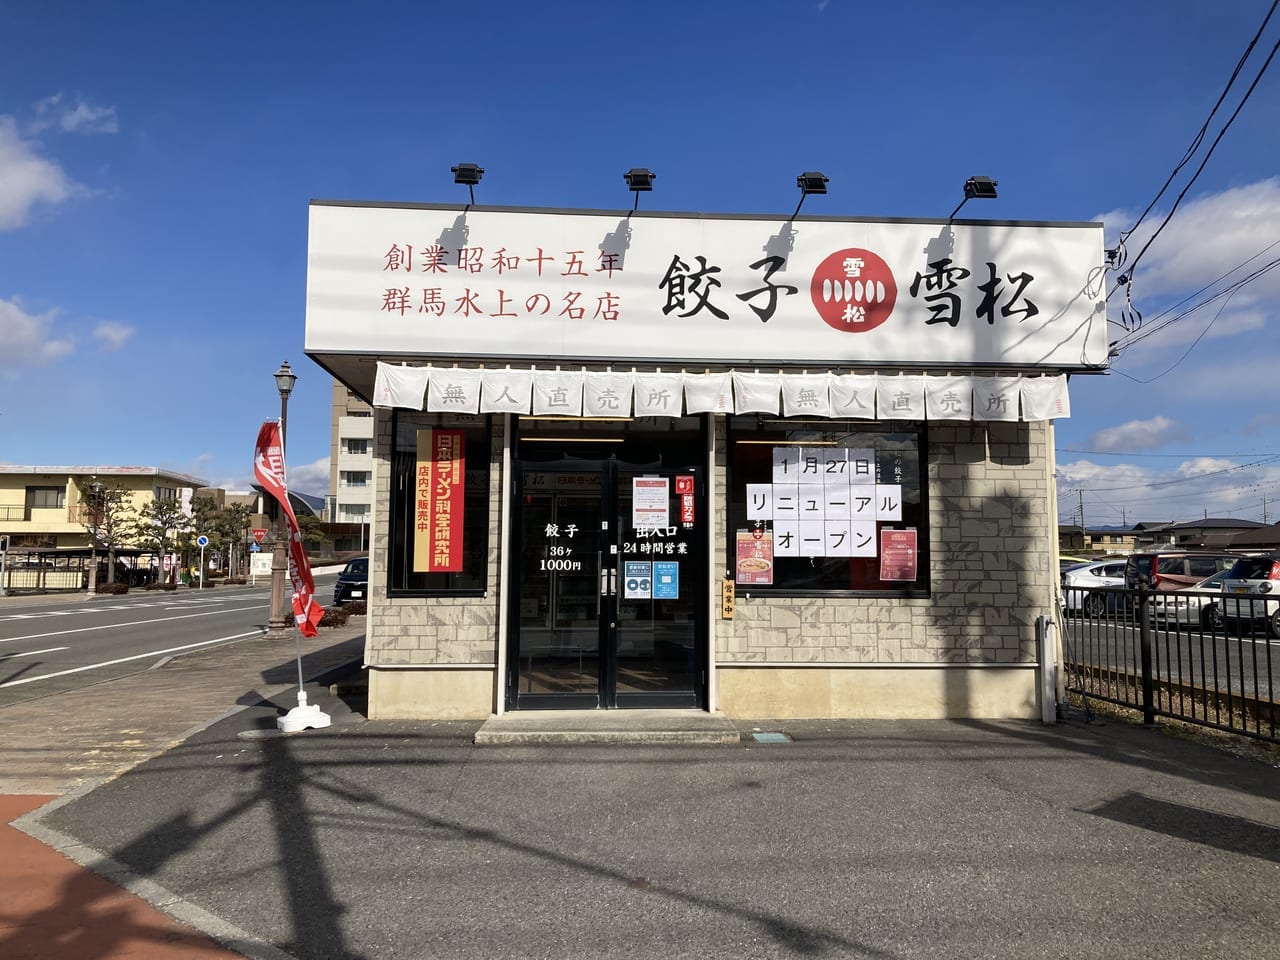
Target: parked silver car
(1199,605)
(1078,595)
(1251,592)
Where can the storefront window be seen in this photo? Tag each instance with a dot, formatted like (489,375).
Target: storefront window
(439,506)
(827,506)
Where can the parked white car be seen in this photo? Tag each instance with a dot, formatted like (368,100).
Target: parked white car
(1251,592)
(1078,595)
(1199,605)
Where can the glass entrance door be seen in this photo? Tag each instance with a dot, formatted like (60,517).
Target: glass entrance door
(608,582)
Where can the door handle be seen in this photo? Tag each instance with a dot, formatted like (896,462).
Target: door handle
(613,583)
(604,579)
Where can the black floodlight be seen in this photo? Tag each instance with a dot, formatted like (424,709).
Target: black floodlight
(976,188)
(470,174)
(811,181)
(980,188)
(639,178)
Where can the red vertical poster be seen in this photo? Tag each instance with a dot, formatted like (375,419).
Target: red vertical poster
(437,544)
(898,554)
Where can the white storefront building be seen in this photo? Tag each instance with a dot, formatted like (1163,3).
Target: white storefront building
(788,467)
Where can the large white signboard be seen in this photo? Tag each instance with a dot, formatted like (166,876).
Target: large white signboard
(427,281)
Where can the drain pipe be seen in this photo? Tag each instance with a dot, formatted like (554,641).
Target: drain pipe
(504,564)
(1047,651)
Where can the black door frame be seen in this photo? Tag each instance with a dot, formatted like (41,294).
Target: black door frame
(606,696)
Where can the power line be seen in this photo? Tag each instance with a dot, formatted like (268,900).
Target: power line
(1126,278)
(1182,456)
(1240,266)
(1204,128)
(1228,291)
(1219,492)
(1198,476)
(1186,353)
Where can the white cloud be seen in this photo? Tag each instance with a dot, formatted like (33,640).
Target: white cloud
(310,478)
(26,178)
(111,335)
(82,118)
(1199,486)
(28,338)
(1137,435)
(1264,423)
(1208,236)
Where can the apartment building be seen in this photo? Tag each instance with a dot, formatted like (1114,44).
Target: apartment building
(350,502)
(47,507)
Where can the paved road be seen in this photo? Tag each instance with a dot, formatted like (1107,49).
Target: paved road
(56,644)
(878,840)
(1245,661)
(384,840)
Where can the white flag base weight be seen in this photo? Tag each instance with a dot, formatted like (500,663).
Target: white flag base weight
(303,716)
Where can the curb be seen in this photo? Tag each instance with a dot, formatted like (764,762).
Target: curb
(220,931)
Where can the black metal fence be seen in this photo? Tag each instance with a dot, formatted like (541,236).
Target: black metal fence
(1211,659)
(40,570)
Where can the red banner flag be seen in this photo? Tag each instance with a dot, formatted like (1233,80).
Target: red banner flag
(268,468)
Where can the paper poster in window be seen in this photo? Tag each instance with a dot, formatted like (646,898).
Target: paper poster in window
(649,502)
(438,501)
(898,554)
(755,557)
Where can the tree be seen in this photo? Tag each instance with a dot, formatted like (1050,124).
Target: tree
(313,535)
(108,519)
(226,526)
(233,528)
(158,526)
(204,521)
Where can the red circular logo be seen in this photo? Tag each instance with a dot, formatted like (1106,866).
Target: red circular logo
(854,290)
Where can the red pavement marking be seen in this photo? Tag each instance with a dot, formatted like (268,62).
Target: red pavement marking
(51,908)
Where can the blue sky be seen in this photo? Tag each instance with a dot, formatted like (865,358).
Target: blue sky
(156,161)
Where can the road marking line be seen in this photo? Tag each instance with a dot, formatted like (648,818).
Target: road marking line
(31,653)
(134,623)
(140,656)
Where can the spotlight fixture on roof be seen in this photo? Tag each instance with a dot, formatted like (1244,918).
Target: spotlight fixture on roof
(811,181)
(638,179)
(470,174)
(976,188)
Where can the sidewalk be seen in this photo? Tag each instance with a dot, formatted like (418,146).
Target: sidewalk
(887,840)
(184,826)
(53,908)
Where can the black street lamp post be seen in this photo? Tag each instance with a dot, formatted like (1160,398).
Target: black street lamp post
(95,531)
(277,620)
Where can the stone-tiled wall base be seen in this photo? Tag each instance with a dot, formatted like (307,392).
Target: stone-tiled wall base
(456,694)
(864,693)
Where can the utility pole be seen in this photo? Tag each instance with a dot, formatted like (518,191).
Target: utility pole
(1084,537)
(1264,508)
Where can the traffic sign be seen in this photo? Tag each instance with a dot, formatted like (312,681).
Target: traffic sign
(259,534)
(202,541)
(254,548)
